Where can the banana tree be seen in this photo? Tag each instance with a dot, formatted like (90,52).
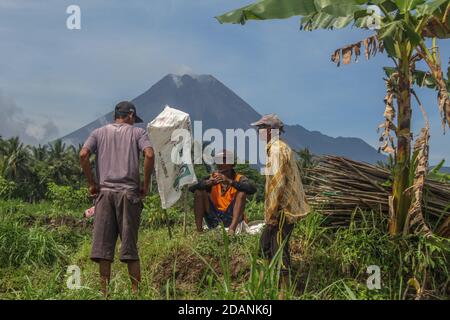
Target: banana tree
(401,30)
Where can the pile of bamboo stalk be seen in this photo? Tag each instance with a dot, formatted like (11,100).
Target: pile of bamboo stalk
(337,186)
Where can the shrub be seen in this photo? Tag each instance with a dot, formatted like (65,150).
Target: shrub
(254,210)
(154,215)
(66,198)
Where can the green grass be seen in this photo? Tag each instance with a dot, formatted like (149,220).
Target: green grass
(38,243)
(28,246)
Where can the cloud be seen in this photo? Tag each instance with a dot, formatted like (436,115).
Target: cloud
(183,69)
(14,123)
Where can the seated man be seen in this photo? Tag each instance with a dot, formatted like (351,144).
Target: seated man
(221,196)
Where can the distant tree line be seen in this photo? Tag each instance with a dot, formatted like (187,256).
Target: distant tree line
(27,171)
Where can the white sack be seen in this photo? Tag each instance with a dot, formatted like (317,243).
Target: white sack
(173,168)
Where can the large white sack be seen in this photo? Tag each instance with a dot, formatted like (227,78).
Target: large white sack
(171,175)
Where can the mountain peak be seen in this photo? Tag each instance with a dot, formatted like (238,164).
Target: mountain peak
(180,79)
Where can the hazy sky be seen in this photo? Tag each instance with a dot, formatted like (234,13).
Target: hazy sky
(54,80)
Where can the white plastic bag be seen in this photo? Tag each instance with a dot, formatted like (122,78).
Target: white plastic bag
(173,168)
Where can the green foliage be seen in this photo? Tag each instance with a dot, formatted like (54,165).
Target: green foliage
(32,168)
(327,262)
(435,173)
(306,161)
(6,188)
(254,210)
(66,198)
(264,282)
(399,22)
(156,217)
(20,245)
(345,253)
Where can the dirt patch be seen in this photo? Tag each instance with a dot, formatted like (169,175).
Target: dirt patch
(190,268)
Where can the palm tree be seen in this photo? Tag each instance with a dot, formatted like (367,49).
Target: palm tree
(74,152)
(2,145)
(57,149)
(2,156)
(15,164)
(39,152)
(60,169)
(401,30)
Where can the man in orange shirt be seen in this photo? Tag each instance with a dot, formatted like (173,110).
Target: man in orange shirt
(221,197)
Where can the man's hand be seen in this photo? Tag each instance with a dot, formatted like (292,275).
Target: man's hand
(213,179)
(221,178)
(209,183)
(231,232)
(93,190)
(143,192)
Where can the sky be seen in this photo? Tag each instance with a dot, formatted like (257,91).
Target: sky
(54,80)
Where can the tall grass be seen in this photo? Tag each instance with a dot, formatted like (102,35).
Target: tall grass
(336,261)
(27,246)
(327,262)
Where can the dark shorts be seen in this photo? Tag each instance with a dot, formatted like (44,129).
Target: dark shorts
(116,214)
(269,244)
(214,217)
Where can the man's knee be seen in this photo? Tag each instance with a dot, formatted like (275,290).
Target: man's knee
(241,196)
(241,200)
(199,194)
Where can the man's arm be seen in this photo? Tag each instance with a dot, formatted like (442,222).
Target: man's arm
(204,184)
(245,185)
(85,153)
(149,165)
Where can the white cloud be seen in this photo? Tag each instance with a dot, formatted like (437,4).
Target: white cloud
(13,123)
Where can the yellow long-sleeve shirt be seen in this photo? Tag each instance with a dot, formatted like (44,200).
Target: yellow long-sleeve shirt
(284,188)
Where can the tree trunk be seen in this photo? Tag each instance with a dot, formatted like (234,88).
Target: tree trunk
(402,200)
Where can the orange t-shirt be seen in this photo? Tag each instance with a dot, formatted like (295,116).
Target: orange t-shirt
(222,200)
